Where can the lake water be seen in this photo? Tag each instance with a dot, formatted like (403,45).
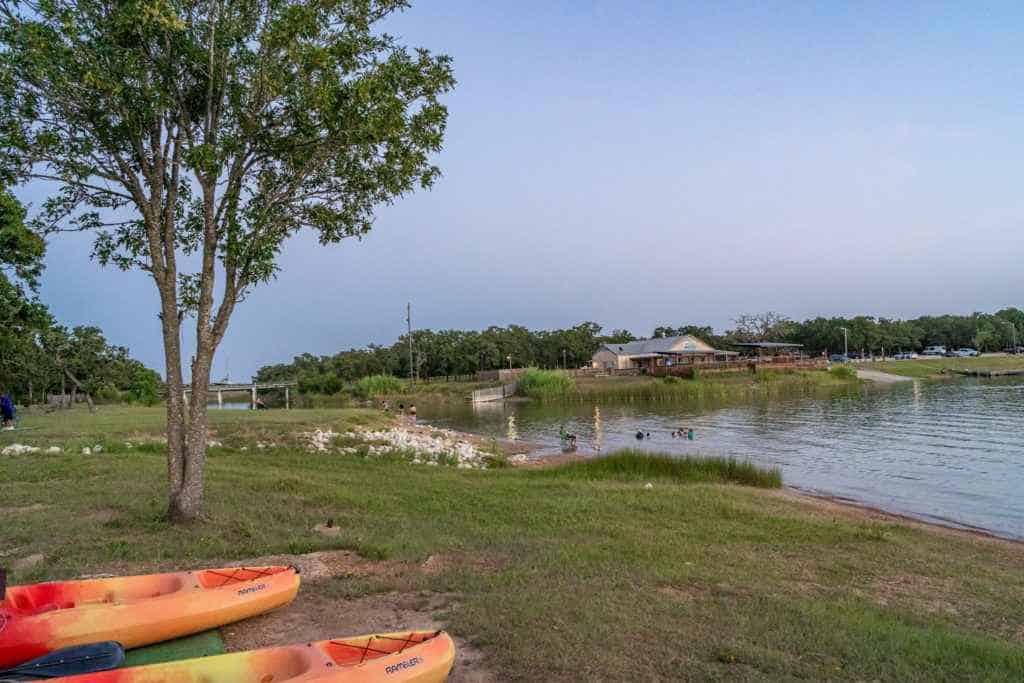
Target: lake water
(950,452)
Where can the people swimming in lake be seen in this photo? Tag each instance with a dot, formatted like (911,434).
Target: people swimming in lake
(639,436)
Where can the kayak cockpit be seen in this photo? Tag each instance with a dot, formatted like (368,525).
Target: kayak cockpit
(353,651)
(47,597)
(219,578)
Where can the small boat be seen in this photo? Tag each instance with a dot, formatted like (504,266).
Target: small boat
(135,610)
(408,657)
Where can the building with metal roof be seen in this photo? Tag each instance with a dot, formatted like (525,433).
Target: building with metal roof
(646,353)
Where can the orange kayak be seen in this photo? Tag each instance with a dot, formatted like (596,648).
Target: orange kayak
(409,657)
(135,610)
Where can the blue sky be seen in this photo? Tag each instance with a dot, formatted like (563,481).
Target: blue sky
(638,163)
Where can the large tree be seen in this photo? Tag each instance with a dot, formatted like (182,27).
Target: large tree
(194,138)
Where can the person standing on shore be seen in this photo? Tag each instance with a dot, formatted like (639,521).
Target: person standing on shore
(412,413)
(6,409)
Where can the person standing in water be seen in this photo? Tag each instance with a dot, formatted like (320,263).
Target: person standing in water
(568,440)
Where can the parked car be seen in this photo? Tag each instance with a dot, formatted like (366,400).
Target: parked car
(934,351)
(1014,350)
(905,355)
(966,352)
(837,358)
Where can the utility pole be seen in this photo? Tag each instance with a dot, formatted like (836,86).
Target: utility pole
(408,322)
(564,366)
(846,351)
(1013,333)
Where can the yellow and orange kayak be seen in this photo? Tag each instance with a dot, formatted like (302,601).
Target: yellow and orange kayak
(135,610)
(409,657)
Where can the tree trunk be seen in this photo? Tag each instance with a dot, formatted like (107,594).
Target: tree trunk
(74,392)
(189,501)
(179,508)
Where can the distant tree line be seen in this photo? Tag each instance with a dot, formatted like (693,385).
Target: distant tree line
(38,356)
(983,331)
(446,353)
(463,352)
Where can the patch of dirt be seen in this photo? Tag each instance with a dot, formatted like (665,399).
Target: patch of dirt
(35,507)
(103,515)
(329,531)
(315,616)
(439,564)
(681,593)
(804,579)
(329,563)
(936,596)
(27,562)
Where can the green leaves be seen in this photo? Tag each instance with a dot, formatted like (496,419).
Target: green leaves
(299,112)
(21,250)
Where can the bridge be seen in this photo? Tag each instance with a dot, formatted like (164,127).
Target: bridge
(251,389)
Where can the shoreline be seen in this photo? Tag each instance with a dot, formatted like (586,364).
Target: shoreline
(850,507)
(525,455)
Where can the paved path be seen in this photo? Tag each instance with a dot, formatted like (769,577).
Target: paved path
(881,377)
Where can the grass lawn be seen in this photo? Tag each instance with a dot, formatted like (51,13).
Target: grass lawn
(925,368)
(575,574)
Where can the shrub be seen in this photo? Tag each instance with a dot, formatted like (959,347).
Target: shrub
(319,383)
(107,393)
(546,384)
(145,387)
(378,385)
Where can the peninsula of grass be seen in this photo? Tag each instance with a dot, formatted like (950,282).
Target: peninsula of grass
(933,368)
(635,465)
(546,385)
(576,573)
